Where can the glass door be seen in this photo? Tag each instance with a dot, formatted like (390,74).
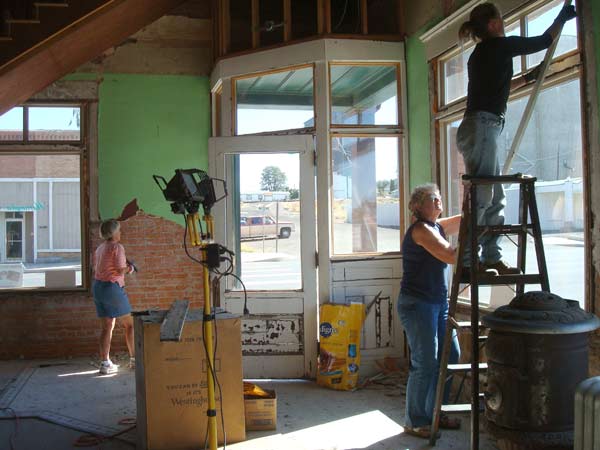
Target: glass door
(14,237)
(268,220)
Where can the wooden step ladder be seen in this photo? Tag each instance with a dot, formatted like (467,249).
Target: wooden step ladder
(527,210)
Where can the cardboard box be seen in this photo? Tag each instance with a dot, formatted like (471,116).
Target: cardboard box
(171,385)
(261,413)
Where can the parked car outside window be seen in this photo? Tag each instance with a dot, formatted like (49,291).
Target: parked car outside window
(264,227)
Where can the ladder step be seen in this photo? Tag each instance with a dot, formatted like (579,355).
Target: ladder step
(465,324)
(516,178)
(492,280)
(511,279)
(463,407)
(456,409)
(483,338)
(505,229)
(454,368)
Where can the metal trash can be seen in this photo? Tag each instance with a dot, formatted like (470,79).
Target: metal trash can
(537,353)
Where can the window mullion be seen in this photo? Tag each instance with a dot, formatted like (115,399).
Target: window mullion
(25,124)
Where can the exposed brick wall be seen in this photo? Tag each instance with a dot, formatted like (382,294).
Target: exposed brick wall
(42,166)
(59,324)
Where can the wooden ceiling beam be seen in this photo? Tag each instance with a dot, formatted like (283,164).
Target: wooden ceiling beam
(76,44)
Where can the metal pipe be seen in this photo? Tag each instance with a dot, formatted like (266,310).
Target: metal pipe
(208,342)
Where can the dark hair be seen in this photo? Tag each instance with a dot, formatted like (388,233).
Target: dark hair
(476,27)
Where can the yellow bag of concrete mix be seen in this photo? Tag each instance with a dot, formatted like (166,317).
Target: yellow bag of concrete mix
(339,355)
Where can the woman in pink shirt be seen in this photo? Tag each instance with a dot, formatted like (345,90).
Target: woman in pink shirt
(110,267)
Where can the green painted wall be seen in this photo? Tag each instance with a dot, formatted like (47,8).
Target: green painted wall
(148,124)
(419,110)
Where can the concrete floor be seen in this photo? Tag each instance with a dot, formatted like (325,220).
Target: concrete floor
(57,401)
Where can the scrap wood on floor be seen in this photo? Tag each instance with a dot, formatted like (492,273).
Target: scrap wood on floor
(393,374)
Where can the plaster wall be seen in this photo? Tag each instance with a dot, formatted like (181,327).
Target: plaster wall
(174,44)
(419,112)
(149,124)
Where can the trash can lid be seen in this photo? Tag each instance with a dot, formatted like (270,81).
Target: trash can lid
(538,312)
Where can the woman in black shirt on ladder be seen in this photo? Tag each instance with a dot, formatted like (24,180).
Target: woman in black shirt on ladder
(490,70)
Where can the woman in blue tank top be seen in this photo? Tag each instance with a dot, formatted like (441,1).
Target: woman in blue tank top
(423,305)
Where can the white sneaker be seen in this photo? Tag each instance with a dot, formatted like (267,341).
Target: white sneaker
(131,365)
(107,367)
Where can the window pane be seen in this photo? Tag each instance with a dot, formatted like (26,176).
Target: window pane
(456,168)
(515,30)
(266,205)
(551,150)
(540,20)
(54,123)
(11,125)
(278,101)
(456,76)
(366,195)
(364,95)
(40,221)
(455,69)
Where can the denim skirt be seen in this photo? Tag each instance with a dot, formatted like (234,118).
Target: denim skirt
(110,299)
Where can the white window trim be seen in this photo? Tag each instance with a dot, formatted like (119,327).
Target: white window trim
(320,53)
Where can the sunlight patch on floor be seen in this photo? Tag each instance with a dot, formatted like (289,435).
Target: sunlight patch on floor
(72,374)
(354,432)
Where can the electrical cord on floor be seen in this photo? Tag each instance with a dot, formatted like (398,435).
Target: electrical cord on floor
(91,439)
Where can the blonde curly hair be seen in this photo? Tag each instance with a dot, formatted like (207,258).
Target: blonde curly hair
(419,195)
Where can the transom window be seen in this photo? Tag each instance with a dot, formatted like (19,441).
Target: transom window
(274,101)
(453,79)
(41,123)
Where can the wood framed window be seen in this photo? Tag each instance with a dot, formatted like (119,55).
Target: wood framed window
(366,158)
(43,202)
(552,150)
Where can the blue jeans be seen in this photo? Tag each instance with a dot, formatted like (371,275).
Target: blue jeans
(425,326)
(477,141)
